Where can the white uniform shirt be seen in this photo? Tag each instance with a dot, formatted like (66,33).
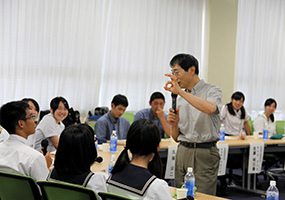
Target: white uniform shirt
(158,190)
(17,157)
(261,121)
(4,135)
(97,183)
(47,128)
(233,123)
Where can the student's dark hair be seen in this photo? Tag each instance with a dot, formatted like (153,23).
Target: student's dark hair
(143,138)
(76,150)
(157,95)
(120,100)
(11,113)
(55,103)
(185,61)
(268,102)
(236,96)
(34,102)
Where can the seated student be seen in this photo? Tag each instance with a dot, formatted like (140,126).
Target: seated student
(35,109)
(34,106)
(75,154)
(15,155)
(234,116)
(4,135)
(136,178)
(155,113)
(266,119)
(51,126)
(113,120)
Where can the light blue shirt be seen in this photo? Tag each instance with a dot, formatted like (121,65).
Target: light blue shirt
(147,114)
(107,123)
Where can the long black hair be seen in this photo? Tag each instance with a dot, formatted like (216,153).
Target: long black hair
(76,150)
(143,138)
(268,102)
(236,96)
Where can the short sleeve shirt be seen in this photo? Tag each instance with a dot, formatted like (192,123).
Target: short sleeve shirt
(194,125)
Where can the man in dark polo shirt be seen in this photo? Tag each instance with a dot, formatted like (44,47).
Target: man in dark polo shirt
(196,123)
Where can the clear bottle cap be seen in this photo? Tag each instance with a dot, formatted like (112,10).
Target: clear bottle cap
(272,183)
(114,131)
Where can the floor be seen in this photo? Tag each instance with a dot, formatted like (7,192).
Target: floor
(236,194)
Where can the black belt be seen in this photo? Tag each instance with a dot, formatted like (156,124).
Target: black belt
(204,145)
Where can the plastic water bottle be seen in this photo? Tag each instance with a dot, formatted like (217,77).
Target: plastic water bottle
(111,164)
(222,132)
(113,142)
(189,181)
(265,132)
(272,192)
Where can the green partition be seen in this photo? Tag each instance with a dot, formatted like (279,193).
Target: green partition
(280,127)
(129,117)
(250,122)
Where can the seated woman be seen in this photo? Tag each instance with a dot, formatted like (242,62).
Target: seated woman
(134,178)
(266,119)
(234,116)
(75,154)
(51,126)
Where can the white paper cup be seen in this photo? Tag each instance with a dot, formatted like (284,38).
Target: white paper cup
(105,147)
(255,135)
(181,193)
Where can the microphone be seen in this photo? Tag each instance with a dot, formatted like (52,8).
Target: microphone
(99,159)
(44,144)
(174,97)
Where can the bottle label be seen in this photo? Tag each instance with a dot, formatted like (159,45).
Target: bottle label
(222,135)
(113,145)
(265,134)
(190,186)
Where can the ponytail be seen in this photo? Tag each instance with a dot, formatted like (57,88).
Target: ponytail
(272,117)
(155,166)
(121,162)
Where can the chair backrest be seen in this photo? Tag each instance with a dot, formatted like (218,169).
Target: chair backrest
(65,191)
(112,196)
(16,186)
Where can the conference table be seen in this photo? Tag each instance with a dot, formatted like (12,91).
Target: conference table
(236,146)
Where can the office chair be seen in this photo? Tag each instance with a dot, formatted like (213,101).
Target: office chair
(65,191)
(16,186)
(112,196)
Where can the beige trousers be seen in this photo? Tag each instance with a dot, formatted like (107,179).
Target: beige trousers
(205,164)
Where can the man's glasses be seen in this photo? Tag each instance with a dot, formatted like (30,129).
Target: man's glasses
(31,116)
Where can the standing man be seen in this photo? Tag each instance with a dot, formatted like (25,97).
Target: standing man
(155,113)
(15,154)
(113,120)
(196,123)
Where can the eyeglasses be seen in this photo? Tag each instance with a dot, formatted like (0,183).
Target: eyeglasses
(175,73)
(32,116)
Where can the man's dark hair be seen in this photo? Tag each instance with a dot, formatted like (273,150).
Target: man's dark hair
(55,103)
(120,100)
(185,61)
(76,150)
(34,102)
(11,113)
(157,95)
